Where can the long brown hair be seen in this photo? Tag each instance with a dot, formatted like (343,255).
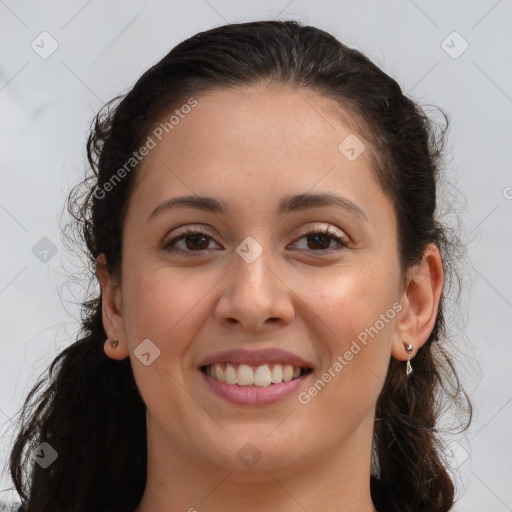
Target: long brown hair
(88,407)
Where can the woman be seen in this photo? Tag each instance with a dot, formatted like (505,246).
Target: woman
(261,219)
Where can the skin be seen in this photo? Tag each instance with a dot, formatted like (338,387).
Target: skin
(250,147)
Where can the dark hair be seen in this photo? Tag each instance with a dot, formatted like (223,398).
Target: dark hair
(90,410)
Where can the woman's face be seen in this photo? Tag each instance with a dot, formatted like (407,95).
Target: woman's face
(254,282)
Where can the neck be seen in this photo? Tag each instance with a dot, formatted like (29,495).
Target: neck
(335,481)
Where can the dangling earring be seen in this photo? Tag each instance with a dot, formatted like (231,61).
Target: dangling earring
(114,343)
(409,349)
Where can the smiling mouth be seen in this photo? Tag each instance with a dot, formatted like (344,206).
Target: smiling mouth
(254,376)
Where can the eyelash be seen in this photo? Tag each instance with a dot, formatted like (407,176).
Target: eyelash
(197,231)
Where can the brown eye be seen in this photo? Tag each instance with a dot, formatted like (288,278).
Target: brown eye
(194,240)
(319,239)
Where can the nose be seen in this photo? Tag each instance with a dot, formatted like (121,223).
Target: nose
(255,296)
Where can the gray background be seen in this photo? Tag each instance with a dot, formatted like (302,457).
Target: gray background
(103,47)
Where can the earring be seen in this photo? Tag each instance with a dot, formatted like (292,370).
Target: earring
(409,349)
(115,343)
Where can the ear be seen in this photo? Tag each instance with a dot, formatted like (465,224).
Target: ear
(420,302)
(112,316)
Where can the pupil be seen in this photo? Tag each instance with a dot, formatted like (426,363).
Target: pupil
(319,236)
(196,237)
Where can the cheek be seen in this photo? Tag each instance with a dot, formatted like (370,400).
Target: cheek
(353,301)
(355,322)
(162,305)
(357,342)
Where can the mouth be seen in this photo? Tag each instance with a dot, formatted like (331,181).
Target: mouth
(254,376)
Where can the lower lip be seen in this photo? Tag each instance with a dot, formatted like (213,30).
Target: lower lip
(242,395)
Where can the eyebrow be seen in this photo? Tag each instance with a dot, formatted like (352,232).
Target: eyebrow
(288,204)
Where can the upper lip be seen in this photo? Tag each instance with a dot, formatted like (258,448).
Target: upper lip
(256,357)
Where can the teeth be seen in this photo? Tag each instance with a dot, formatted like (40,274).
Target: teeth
(244,375)
(277,374)
(219,373)
(262,376)
(230,374)
(288,373)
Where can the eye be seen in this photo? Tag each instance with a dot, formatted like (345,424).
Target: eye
(321,236)
(195,240)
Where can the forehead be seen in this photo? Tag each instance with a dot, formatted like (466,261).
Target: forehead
(257,144)
(264,120)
